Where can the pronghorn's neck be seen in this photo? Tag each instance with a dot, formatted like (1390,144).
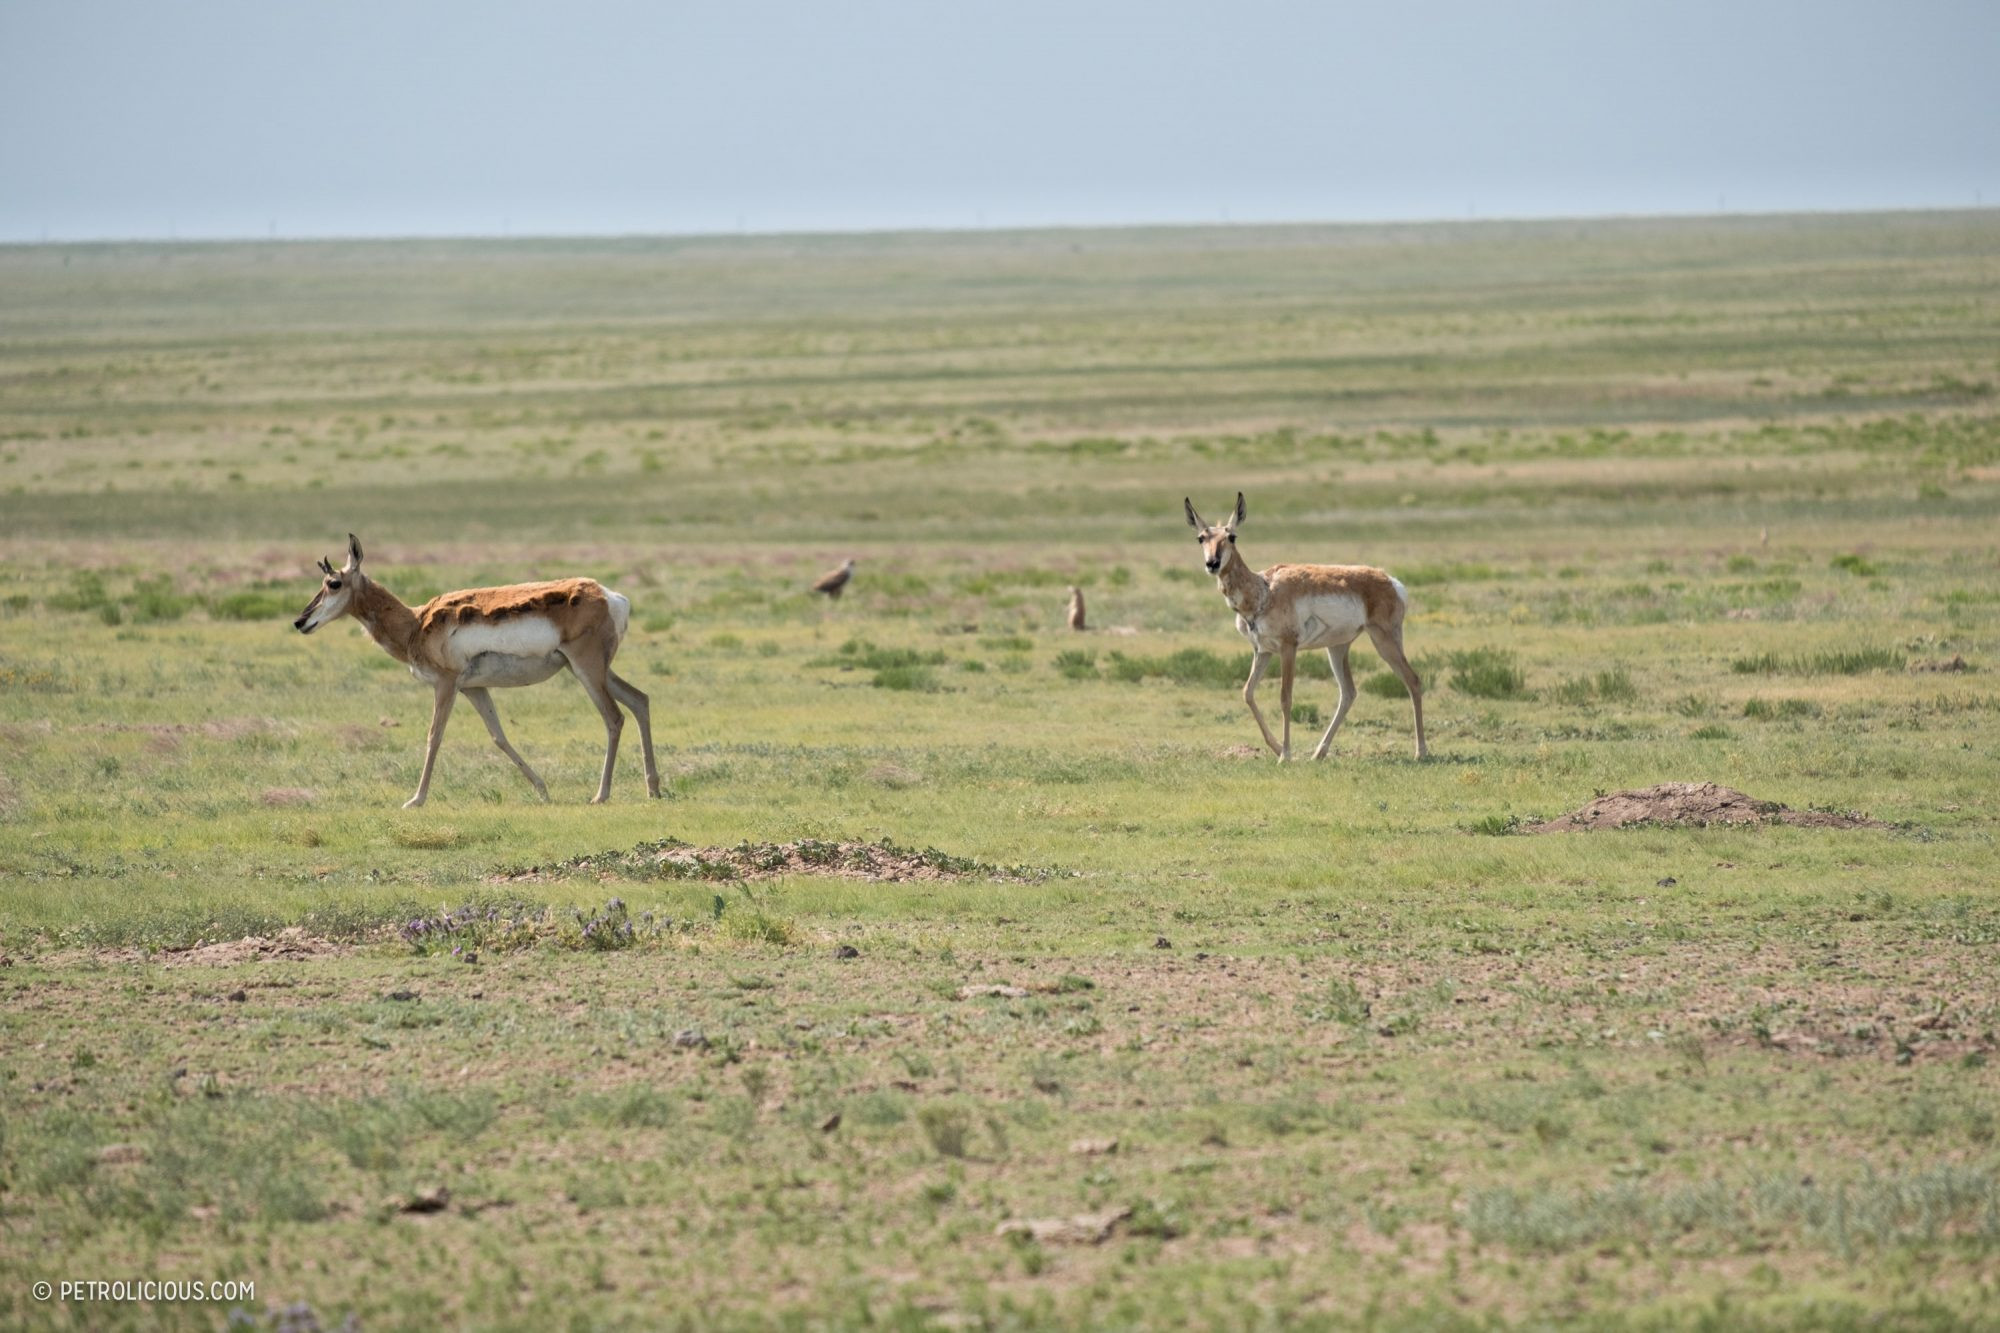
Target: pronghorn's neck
(1242,587)
(387,620)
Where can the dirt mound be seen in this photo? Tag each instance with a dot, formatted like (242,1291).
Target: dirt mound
(291,944)
(1692,804)
(672,859)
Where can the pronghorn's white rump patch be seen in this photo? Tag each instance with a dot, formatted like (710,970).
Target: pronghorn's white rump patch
(621,611)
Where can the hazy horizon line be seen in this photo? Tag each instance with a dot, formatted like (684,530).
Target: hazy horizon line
(274,237)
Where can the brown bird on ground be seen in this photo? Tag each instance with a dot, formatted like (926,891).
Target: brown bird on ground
(1076,608)
(833,582)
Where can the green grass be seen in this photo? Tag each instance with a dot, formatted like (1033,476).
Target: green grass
(1371,1053)
(1488,673)
(907,677)
(1607,687)
(1838,662)
(1189,666)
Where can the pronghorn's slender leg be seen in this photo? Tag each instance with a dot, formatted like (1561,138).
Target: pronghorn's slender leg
(1288,660)
(587,663)
(1343,673)
(635,700)
(1389,643)
(447,690)
(1257,665)
(482,703)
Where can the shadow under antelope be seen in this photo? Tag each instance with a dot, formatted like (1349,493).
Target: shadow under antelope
(1292,607)
(491,638)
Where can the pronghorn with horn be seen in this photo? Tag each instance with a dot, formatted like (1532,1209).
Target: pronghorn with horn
(491,638)
(1292,607)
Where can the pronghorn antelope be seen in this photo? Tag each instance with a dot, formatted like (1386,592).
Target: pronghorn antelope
(1291,607)
(489,638)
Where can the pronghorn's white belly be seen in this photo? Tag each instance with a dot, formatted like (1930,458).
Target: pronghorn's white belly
(519,636)
(520,651)
(1326,620)
(501,670)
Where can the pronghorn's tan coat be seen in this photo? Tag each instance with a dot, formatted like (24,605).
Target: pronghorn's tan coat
(478,639)
(558,600)
(1377,593)
(1288,608)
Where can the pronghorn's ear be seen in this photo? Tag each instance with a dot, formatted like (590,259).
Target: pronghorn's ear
(1237,521)
(1194,519)
(353,551)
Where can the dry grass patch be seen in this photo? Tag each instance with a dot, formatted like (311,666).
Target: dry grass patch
(669,858)
(1692,805)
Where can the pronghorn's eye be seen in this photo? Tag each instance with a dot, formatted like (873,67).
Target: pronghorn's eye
(333,585)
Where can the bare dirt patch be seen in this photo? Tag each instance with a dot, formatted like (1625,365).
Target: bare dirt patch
(292,944)
(1694,805)
(1082,1229)
(221,728)
(672,859)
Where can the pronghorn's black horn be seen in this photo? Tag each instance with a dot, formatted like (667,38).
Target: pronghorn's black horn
(326,566)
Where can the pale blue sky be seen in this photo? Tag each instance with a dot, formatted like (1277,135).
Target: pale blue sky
(149,118)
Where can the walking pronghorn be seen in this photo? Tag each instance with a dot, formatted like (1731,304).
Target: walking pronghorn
(1289,607)
(490,638)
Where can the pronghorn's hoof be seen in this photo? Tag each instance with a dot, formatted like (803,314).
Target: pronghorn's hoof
(413,802)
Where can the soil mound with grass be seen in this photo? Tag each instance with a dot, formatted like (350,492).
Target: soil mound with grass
(290,944)
(672,859)
(1692,804)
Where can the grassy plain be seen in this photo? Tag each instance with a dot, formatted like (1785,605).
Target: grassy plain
(1676,501)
